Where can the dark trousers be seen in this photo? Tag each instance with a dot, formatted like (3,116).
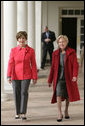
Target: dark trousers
(45,50)
(20,90)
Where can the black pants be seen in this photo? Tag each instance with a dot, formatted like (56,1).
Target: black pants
(20,90)
(45,50)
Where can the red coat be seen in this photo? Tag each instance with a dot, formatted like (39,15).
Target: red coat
(22,64)
(71,70)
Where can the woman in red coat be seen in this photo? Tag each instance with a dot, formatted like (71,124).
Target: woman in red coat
(21,69)
(64,73)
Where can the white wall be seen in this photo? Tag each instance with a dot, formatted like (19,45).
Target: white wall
(52,13)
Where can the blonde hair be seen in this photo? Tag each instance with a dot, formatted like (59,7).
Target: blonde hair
(62,36)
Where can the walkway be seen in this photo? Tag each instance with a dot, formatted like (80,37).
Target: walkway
(40,110)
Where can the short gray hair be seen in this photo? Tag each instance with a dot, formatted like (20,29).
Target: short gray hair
(62,36)
(46,27)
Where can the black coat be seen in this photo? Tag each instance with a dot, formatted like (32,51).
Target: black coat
(51,36)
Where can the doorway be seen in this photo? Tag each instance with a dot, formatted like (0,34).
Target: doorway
(69,28)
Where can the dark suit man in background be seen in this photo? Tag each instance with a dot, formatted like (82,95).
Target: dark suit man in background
(47,38)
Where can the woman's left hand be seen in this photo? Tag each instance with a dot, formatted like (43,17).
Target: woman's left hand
(74,79)
(34,81)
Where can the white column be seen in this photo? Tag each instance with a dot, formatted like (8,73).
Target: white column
(44,14)
(78,38)
(31,24)
(38,11)
(22,16)
(3,95)
(2,51)
(10,30)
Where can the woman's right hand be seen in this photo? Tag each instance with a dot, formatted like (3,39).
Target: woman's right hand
(49,84)
(9,80)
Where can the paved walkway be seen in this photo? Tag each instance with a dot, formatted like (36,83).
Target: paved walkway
(40,110)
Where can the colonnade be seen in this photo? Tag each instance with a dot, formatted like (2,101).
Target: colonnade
(19,16)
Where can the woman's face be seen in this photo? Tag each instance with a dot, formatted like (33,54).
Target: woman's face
(22,41)
(62,43)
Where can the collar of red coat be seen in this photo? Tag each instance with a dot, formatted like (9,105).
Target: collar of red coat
(19,48)
(68,51)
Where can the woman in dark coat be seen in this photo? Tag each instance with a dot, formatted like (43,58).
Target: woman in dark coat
(64,73)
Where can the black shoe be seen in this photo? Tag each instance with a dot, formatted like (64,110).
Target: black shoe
(24,118)
(37,70)
(67,117)
(42,68)
(59,120)
(17,117)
